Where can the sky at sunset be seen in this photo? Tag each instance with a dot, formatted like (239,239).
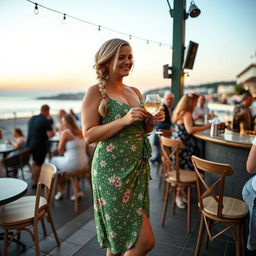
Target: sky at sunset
(40,52)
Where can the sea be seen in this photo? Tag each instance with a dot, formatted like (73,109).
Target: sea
(24,103)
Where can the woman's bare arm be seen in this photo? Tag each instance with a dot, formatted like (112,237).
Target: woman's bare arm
(92,130)
(251,160)
(190,127)
(62,143)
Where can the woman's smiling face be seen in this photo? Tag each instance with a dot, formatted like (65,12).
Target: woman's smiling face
(123,64)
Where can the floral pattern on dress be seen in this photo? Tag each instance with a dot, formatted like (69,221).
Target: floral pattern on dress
(120,181)
(190,147)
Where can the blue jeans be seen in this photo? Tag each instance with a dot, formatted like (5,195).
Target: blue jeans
(249,196)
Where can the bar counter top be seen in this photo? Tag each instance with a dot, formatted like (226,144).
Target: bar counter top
(228,138)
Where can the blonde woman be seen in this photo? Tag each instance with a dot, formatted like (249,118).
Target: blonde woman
(184,128)
(72,149)
(113,115)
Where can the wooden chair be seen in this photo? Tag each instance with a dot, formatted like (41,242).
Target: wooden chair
(25,159)
(29,210)
(80,175)
(12,165)
(166,133)
(175,177)
(217,208)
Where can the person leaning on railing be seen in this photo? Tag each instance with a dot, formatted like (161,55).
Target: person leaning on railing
(249,196)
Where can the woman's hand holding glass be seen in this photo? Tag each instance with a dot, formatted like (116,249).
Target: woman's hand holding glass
(154,107)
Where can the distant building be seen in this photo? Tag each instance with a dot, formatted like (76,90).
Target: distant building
(247,78)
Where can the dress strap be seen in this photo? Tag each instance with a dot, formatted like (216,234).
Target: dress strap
(138,94)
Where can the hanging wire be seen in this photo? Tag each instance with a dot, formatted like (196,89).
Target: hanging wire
(99,26)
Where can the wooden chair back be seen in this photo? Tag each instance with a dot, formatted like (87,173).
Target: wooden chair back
(170,155)
(46,185)
(12,164)
(215,190)
(25,157)
(166,132)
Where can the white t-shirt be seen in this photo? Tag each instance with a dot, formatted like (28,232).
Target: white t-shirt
(254,178)
(200,111)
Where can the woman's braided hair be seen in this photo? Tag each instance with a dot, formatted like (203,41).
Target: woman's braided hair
(109,50)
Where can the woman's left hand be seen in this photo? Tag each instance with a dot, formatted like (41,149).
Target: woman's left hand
(160,116)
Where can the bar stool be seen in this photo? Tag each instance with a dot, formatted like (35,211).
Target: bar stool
(175,177)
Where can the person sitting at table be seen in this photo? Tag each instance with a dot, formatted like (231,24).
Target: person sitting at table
(249,196)
(184,128)
(62,112)
(20,141)
(74,150)
(201,112)
(166,124)
(242,116)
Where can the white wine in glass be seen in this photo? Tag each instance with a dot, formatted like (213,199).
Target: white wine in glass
(153,105)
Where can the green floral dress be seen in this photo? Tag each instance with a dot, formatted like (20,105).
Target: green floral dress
(120,177)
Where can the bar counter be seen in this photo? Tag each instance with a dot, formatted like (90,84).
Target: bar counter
(229,148)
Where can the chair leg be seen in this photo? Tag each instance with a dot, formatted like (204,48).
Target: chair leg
(43,227)
(50,219)
(210,222)
(22,173)
(199,237)
(6,243)
(243,238)
(189,210)
(164,190)
(75,184)
(238,240)
(165,203)
(173,200)
(36,239)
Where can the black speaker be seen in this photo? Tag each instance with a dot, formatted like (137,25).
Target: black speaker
(167,71)
(191,55)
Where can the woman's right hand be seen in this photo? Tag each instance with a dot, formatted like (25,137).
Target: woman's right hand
(135,114)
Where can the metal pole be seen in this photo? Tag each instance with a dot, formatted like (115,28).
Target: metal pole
(179,16)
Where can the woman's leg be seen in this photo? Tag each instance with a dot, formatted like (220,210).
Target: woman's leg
(145,241)
(109,253)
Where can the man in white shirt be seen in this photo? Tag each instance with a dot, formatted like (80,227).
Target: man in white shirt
(201,112)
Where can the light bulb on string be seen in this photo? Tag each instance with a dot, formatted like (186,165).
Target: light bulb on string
(64,20)
(99,28)
(147,41)
(36,11)
(130,37)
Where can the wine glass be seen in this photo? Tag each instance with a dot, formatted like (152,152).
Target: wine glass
(153,105)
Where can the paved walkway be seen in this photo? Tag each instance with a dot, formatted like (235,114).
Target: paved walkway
(78,234)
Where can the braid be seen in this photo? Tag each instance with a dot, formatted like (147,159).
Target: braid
(107,52)
(102,76)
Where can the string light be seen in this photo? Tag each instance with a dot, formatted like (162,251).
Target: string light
(36,11)
(64,21)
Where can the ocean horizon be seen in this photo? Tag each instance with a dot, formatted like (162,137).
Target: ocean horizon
(24,103)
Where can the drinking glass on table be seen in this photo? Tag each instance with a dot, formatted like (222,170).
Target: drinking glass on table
(153,105)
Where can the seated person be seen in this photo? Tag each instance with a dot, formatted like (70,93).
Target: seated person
(249,196)
(184,128)
(74,150)
(20,141)
(242,116)
(201,112)
(166,124)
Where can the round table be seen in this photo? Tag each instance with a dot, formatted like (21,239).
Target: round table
(6,148)
(11,189)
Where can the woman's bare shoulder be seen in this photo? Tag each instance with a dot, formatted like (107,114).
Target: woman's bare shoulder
(93,91)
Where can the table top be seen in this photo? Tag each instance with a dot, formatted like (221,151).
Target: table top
(6,148)
(228,138)
(11,189)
